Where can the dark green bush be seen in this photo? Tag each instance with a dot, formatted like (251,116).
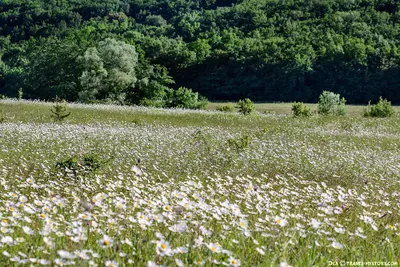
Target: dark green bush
(225,108)
(239,143)
(81,167)
(185,98)
(59,110)
(157,103)
(299,109)
(381,109)
(246,106)
(2,118)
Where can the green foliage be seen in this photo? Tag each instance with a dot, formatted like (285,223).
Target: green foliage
(202,141)
(246,106)
(152,86)
(70,164)
(225,108)
(331,104)
(2,118)
(185,98)
(299,109)
(81,167)
(381,109)
(20,93)
(240,143)
(92,162)
(157,103)
(50,69)
(109,71)
(341,108)
(106,50)
(156,20)
(59,110)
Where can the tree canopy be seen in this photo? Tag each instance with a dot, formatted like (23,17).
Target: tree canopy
(137,51)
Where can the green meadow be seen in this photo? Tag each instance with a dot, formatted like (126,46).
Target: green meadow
(134,186)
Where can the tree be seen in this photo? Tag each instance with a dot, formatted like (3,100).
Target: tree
(2,73)
(225,49)
(109,71)
(52,70)
(93,75)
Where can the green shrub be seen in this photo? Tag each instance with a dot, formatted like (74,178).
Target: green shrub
(239,143)
(246,106)
(331,104)
(59,110)
(157,103)
(185,98)
(341,108)
(2,118)
(81,167)
(225,108)
(20,94)
(382,109)
(299,109)
(203,142)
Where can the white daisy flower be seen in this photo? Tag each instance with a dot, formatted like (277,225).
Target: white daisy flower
(66,255)
(106,242)
(111,264)
(234,262)
(282,222)
(27,230)
(163,248)
(337,245)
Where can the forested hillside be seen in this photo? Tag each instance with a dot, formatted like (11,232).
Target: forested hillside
(134,51)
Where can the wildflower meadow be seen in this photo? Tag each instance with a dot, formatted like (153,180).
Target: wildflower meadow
(133,186)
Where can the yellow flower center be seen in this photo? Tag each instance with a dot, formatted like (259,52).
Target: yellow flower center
(106,242)
(163,246)
(279,221)
(234,262)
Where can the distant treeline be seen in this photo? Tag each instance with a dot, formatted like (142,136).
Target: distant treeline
(141,51)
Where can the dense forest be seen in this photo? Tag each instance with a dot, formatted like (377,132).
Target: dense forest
(148,51)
